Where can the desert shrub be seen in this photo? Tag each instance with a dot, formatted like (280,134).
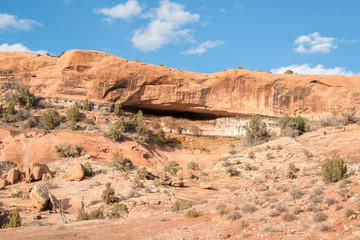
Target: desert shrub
(23,97)
(249,208)
(310,208)
(73,125)
(88,169)
(193,166)
(289,217)
(220,208)
(121,163)
(160,135)
(195,130)
(280,208)
(274,213)
(11,108)
(326,228)
(338,207)
(143,134)
(51,119)
(318,191)
(15,220)
(269,228)
(172,167)
(97,213)
(234,216)
(319,217)
(87,105)
(133,193)
(296,194)
(79,149)
(64,150)
(117,110)
(349,212)
(181,205)
(115,132)
(17,193)
(317,200)
(4,218)
(349,117)
(192,214)
(244,224)
(256,131)
(117,210)
(108,195)
(30,122)
(233,151)
(289,72)
(73,113)
(297,211)
(293,168)
(251,155)
(232,172)
(143,173)
(295,123)
(330,201)
(334,169)
(307,153)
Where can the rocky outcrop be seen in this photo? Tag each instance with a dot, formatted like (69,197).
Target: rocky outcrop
(39,197)
(38,170)
(103,78)
(13,175)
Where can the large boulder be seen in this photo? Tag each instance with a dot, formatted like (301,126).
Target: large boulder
(38,170)
(13,175)
(39,197)
(76,172)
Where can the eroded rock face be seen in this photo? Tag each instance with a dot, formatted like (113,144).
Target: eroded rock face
(76,172)
(103,78)
(13,175)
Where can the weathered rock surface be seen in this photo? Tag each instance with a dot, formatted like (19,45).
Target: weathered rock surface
(38,170)
(13,175)
(76,172)
(104,78)
(39,197)
(3,183)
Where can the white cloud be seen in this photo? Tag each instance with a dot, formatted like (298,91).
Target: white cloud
(124,11)
(317,70)
(12,23)
(166,26)
(203,47)
(314,43)
(18,47)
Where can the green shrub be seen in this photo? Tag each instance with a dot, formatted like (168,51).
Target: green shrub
(108,195)
(64,150)
(117,110)
(256,131)
(143,173)
(289,72)
(97,213)
(172,167)
(192,214)
(15,220)
(232,172)
(73,113)
(79,149)
(118,209)
(297,124)
(334,169)
(121,163)
(251,155)
(181,205)
(30,123)
(349,117)
(51,119)
(87,169)
(11,108)
(73,125)
(4,218)
(293,168)
(87,105)
(23,97)
(193,166)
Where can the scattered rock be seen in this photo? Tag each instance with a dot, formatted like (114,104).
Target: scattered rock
(354,216)
(206,185)
(55,204)
(3,183)
(76,172)
(177,183)
(37,216)
(39,197)
(28,175)
(13,175)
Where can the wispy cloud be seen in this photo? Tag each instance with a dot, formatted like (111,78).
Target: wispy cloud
(314,43)
(203,47)
(18,47)
(317,70)
(124,11)
(166,26)
(13,23)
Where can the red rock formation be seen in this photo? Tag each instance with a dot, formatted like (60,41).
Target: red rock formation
(104,78)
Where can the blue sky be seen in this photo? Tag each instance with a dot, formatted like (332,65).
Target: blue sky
(307,36)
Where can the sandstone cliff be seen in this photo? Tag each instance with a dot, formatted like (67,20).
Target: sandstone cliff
(104,78)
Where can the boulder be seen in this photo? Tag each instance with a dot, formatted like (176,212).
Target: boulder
(28,175)
(38,169)
(3,183)
(54,203)
(76,172)
(177,183)
(13,175)
(206,185)
(39,197)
